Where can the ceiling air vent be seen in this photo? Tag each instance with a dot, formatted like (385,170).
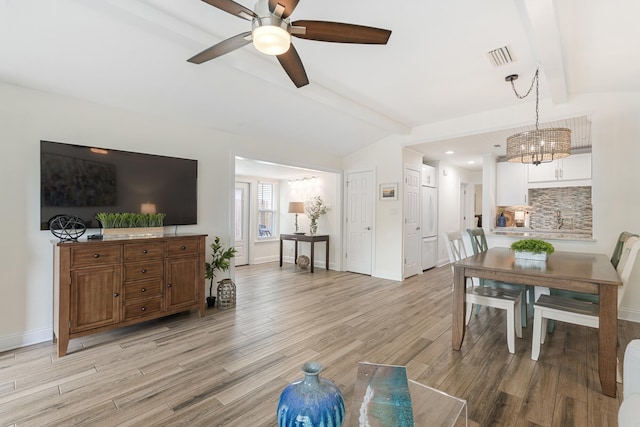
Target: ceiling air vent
(500,56)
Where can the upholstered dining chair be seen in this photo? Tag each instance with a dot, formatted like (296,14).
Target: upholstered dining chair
(479,244)
(575,311)
(593,298)
(489,297)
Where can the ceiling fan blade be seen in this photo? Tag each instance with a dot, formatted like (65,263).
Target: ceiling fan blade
(289,6)
(233,8)
(221,48)
(292,64)
(341,33)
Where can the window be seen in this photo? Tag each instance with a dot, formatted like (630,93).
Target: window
(267,212)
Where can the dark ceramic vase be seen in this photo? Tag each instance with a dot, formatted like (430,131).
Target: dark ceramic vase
(311,401)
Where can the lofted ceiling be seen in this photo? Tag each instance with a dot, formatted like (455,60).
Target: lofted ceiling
(132,54)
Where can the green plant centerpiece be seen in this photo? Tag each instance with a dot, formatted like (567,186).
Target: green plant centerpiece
(130,219)
(532,249)
(220,260)
(117,225)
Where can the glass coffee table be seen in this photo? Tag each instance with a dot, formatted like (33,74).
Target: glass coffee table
(384,397)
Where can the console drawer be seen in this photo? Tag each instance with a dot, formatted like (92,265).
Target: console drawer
(142,251)
(143,307)
(143,270)
(95,255)
(143,289)
(180,247)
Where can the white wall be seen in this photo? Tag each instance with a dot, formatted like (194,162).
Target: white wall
(28,116)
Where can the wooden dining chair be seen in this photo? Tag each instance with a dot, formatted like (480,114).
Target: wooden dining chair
(593,298)
(578,312)
(479,244)
(487,296)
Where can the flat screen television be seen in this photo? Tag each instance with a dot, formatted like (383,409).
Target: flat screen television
(82,181)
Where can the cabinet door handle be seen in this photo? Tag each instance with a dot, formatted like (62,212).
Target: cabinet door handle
(115,294)
(169,285)
(143,290)
(144,251)
(144,270)
(183,247)
(96,255)
(143,309)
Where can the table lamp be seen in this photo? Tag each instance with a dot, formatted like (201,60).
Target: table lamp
(519,218)
(296,208)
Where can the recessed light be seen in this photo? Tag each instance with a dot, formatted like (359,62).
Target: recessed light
(470,162)
(449,152)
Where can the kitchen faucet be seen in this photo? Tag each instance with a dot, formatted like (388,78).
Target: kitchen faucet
(559,219)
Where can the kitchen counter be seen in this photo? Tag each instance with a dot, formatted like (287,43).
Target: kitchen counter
(561,234)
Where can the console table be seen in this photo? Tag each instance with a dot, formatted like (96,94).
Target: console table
(312,239)
(102,285)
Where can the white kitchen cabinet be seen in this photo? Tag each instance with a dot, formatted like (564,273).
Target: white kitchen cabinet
(511,184)
(572,170)
(428,176)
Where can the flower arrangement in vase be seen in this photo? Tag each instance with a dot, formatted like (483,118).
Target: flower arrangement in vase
(313,208)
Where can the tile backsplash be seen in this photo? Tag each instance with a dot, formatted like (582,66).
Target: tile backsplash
(573,203)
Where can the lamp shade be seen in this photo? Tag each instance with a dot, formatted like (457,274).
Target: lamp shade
(539,146)
(296,207)
(148,208)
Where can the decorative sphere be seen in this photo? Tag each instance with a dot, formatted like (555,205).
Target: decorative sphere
(303,261)
(67,227)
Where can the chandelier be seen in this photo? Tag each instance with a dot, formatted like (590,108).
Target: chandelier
(539,145)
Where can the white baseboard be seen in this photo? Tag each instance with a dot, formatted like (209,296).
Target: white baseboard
(265,259)
(26,338)
(629,314)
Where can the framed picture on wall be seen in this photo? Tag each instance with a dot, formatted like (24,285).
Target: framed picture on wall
(389,191)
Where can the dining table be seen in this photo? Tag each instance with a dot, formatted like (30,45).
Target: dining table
(574,271)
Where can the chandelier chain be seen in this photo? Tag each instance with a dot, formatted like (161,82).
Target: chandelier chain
(535,80)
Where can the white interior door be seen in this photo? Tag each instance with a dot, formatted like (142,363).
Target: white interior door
(360,193)
(412,234)
(242,223)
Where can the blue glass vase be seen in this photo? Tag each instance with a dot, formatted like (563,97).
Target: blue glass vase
(311,401)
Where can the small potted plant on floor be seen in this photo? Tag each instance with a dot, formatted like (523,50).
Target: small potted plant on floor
(221,260)
(532,249)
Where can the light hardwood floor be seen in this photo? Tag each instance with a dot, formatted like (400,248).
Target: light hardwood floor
(229,367)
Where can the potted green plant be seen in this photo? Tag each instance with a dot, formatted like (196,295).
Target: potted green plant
(220,260)
(533,249)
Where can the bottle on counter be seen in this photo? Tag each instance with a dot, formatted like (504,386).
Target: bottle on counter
(502,221)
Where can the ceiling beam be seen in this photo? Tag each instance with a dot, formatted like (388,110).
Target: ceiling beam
(545,37)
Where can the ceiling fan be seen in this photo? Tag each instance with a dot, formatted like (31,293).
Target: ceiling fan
(272,30)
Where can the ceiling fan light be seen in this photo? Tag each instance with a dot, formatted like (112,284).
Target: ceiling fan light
(271,39)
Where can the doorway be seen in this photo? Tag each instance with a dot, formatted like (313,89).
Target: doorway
(359,221)
(412,234)
(241,220)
